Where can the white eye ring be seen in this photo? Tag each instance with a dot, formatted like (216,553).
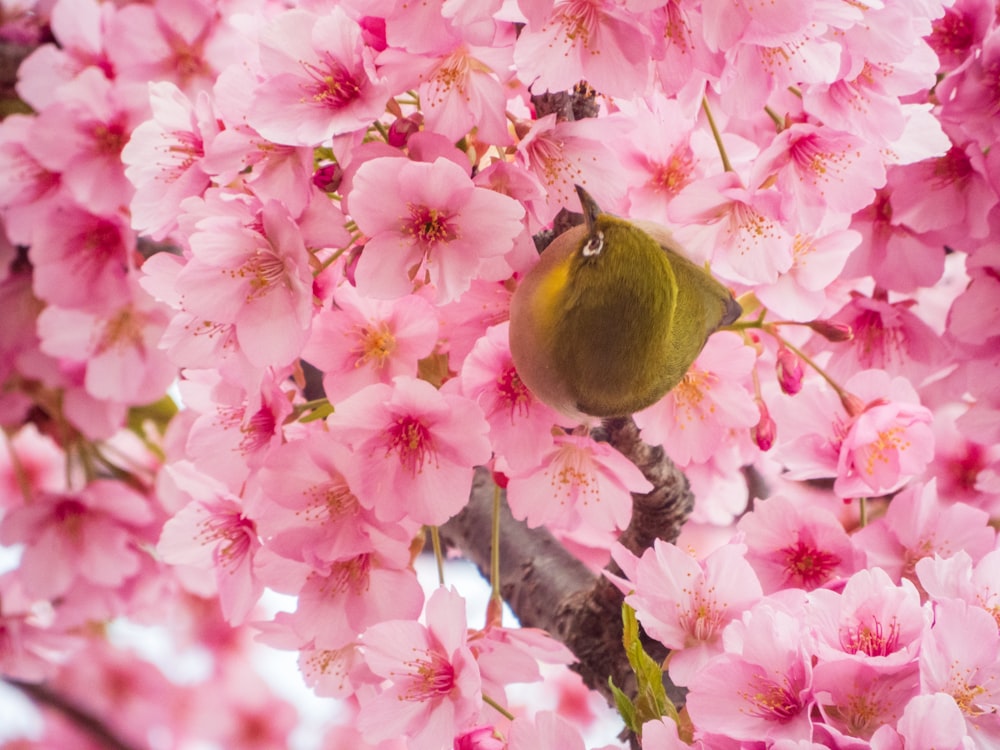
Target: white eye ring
(594,245)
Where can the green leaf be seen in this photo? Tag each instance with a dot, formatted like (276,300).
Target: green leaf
(651,701)
(624,706)
(320,412)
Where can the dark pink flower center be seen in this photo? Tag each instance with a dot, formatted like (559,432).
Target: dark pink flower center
(430,226)
(69,514)
(232,531)
(431,676)
(332,84)
(514,394)
(951,34)
(109,138)
(349,576)
(258,431)
(675,173)
(772,702)
(871,639)
(953,167)
(808,565)
(412,442)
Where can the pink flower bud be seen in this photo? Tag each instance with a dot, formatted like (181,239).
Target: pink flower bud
(479,738)
(327,178)
(764,432)
(835,332)
(789,368)
(402,128)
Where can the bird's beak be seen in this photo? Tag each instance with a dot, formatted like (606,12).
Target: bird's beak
(590,208)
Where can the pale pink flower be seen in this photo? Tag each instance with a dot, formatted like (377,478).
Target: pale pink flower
(546,730)
(252,272)
(520,425)
(661,734)
(886,336)
(898,258)
(565,153)
(727,23)
(30,647)
(685,603)
(918,525)
(80,27)
(433,689)
(92,535)
(872,452)
(361,341)
(868,103)
(30,462)
(81,260)
(164,158)
(319,79)
(884,446)
(236,429)
(304,507)
(514,655)
(118,345)
(711,402)
(596,40)
(962,198)
(871,620)
(81,136)
(739,231)
(28,189)
(956,577)
(466,320)
(240,153)
(427,223)
(961,657)
(969,95)
(460,89)
(796,544)
(212,534)
(931,720)
(754,70)
(800,293)
(578,482)
(856,698)
(686,60)
(818,169)
(760,688)
(339,601)
(186,43)
(660,157)
(414,448)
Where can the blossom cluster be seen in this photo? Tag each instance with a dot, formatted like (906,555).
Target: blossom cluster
(303,222)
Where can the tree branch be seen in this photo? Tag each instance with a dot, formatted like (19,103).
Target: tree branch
(81,718)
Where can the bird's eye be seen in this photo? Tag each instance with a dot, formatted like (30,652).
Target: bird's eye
(594,245)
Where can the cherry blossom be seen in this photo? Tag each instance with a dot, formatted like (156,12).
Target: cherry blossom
(433,682)
(686,603)
(317,90)
(414,448)
(427,220)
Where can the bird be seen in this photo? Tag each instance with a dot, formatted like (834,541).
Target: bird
(612,316)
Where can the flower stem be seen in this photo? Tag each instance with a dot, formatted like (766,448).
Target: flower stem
(500,709)
(779,121)
(862,511)
(726,165)
(495,548)
(438,554)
